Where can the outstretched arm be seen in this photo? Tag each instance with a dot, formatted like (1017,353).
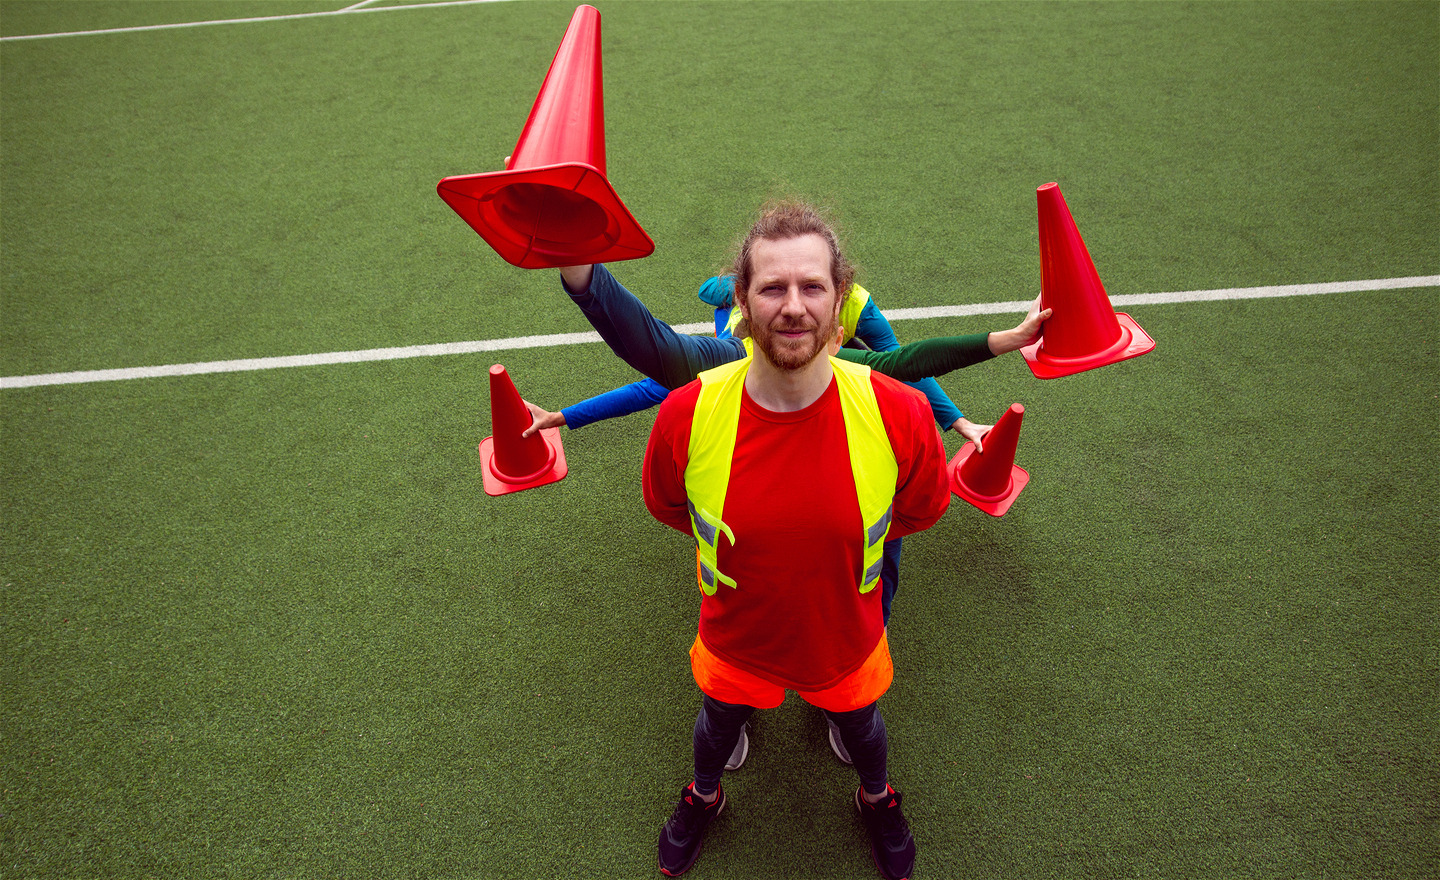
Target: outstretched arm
(622,401)
(925,358)
(928,358)
(636,336)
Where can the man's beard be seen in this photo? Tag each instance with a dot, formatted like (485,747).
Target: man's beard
(792,354)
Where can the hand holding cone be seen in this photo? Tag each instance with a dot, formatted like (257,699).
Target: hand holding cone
(991,480)
(510,462)
(1085,331)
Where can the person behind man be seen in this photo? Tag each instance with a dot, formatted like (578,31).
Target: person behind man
(790,469)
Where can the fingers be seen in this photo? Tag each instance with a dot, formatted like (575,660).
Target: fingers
(535,414)
(980,438)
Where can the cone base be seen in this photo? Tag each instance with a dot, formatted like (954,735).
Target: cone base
(496,486)
(1019,479)
(1133,342)
(548,216)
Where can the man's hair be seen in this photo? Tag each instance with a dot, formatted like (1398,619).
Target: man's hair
(791,219)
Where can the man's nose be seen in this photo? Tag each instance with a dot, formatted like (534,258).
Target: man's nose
(794,303)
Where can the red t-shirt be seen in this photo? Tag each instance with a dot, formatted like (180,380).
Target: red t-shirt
(796,616)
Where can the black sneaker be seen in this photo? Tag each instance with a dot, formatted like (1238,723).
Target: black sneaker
(680,838)
(891,845)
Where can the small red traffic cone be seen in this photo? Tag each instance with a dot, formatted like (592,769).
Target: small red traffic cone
(1085,331)
(991,480)
(552,205)
(508,461)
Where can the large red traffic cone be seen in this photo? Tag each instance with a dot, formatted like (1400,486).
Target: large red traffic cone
(1085,332)
(552,205)
(991,480)
(509,462)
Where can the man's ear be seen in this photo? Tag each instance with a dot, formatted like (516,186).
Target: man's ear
(742,302)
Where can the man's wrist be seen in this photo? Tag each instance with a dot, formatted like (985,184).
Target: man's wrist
(577,278)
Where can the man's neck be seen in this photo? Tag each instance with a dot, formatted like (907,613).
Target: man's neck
(787,390)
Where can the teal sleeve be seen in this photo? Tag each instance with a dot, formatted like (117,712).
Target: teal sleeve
(876,332)
(917,362)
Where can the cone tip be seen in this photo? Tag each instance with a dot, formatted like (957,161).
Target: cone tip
(497,370)
(1044,187)
(1018,409)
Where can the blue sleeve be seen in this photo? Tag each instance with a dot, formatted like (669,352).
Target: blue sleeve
(722,323)
(875,331)
(622,401)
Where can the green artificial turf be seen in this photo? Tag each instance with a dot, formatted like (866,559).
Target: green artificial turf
(268,623)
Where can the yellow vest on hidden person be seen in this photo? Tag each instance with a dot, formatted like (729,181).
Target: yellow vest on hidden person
(712,447)
(849,313)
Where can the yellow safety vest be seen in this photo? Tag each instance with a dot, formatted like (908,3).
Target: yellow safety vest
(712,450)
(849,313)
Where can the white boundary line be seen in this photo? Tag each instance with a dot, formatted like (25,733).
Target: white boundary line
(516,342)
(349,10)
(1155,299)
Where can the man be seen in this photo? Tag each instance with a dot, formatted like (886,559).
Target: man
(670,359)
(791,469)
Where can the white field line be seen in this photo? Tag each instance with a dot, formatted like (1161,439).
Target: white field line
(557,339)
(362,6)
(1153,299)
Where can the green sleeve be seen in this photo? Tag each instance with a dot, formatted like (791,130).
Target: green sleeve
(926,358)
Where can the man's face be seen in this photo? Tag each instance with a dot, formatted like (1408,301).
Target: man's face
(792,304)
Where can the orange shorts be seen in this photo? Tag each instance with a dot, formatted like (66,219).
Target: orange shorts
(730,684)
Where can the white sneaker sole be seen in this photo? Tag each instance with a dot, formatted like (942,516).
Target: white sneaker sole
(741,752)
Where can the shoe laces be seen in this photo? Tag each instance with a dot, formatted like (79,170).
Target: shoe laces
(689,814)
(889,820)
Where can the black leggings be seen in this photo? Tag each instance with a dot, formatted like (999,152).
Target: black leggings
(717,729)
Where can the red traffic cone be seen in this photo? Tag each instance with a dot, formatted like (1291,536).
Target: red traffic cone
(509,462)
(1085,331)
(552,205)
(991,480)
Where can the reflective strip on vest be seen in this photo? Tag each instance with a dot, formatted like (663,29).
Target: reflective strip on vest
(849,313)
(707,475)
(871,460)
(712,449)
